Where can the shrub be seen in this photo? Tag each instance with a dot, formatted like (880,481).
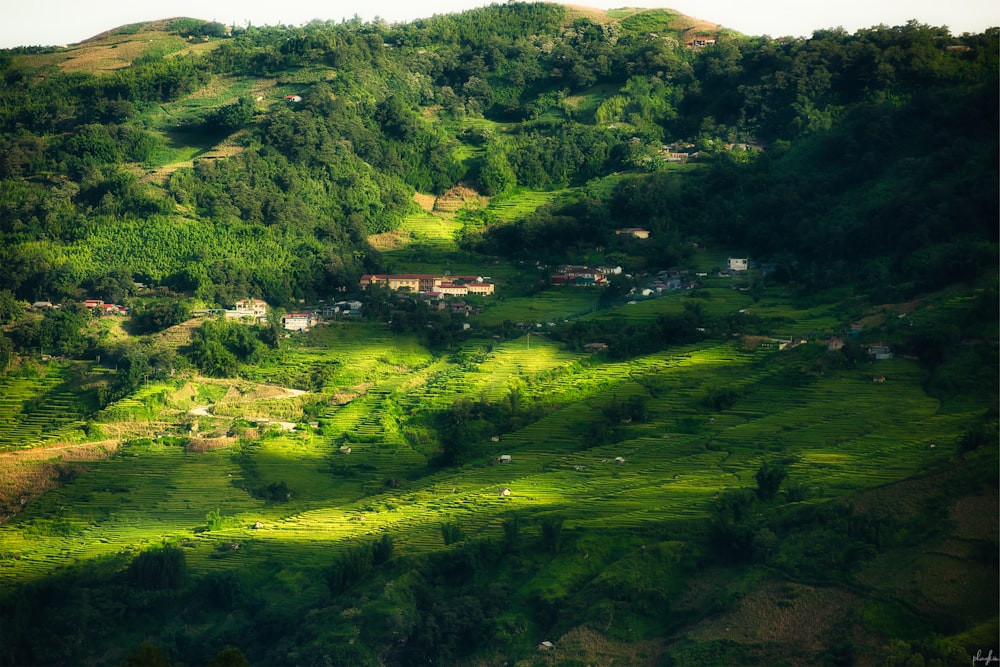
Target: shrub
(158,569)
(452,532)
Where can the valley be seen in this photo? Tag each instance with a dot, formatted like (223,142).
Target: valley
(531,335)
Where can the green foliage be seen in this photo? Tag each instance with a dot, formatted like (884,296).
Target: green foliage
(769,478)
(552,528)
(231,117)
(721,398)
(148,655)
(156,569)
(219,347)
(158,316)
(496,175)
(214,520)
(848,192)
(452,533)
(350,568)
(382,550)
(229,657)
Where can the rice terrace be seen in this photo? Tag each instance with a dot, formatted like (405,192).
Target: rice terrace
(346,345)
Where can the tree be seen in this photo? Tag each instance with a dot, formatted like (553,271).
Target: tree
(512,533)
(229,657)
(496,175)
(11,308)
(232,116)
(452,532)
(769,478)
(158,568)
(159,316)
(382,550)
(6,352)
(552,528)
(148,655)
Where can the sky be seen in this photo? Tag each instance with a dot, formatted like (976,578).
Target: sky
(55,22)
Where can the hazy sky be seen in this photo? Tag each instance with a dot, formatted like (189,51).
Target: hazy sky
(47,22)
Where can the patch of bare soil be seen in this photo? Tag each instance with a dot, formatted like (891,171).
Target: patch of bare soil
(117,53)
(29,473)
(389,240)
(459,197)
(585,646)
(425,202)
(975,517)
(261,392)
(902,500)
(198,445)
(592,13)
(782,613)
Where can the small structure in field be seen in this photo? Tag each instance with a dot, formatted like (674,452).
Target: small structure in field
(619,460)
(504,492)
(504,458)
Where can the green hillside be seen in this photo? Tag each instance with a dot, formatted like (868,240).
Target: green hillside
(633,451)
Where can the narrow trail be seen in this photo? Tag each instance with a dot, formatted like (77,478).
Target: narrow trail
(287,392)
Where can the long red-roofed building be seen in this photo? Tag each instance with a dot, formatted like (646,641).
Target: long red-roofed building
(425,282)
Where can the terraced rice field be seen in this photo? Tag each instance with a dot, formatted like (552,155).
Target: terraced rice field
(519,203)
(427,229)
(39,409)
(361,470)
(552,305)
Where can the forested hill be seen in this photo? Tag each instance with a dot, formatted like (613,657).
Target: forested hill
(705,373)
(222,161)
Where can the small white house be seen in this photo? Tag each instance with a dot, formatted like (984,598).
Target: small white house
(297,321)
(504,458)
(739,263)
(504,492)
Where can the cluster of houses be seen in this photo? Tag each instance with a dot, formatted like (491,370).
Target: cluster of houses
(700,42)
(304,321)
(254,311)
(666,281)
(634,232)
(94,305)
(680,152)
(429,284)
(583,276)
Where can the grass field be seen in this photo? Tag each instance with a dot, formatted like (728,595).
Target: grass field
(374,385)
(552,305)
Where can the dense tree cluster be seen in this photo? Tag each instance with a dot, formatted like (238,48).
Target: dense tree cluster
(315,177)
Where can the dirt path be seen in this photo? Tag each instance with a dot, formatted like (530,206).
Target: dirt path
(285,392)
(28,473)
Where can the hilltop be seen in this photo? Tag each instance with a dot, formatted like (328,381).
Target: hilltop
(529,335)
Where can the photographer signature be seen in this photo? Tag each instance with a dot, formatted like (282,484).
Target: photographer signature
(987,659)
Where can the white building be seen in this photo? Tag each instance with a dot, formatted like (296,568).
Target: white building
(297,321)
(250,309)
(738,263)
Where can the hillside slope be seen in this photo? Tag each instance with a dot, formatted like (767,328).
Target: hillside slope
(732,399)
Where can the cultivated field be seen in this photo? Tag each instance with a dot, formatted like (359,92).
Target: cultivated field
(356,424)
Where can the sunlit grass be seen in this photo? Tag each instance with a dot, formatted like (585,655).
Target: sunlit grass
(839,432)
